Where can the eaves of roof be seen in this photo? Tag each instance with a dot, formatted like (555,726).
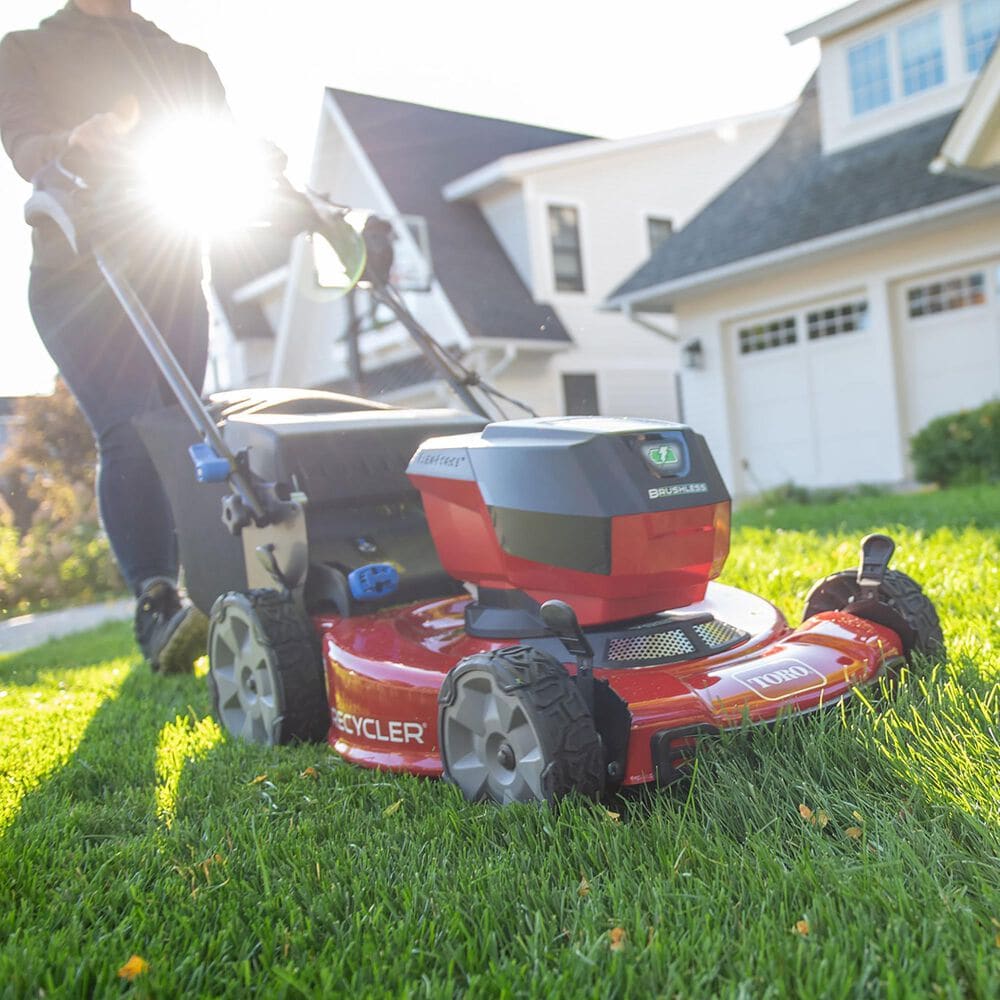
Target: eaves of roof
(795,200)
(966,147)
(517,166)
(843,19)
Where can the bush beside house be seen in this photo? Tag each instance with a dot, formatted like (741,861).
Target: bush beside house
(52,549)
(959,449)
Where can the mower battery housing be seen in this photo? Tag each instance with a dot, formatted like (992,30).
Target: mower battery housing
(619,517)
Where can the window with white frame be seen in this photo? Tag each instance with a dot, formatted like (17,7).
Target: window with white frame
(871,83)
(765,336)
(830,321)
(944,296)
(980,27)
(921,54)
(567,262)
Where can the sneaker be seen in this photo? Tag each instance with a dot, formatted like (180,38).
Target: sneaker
(172,633)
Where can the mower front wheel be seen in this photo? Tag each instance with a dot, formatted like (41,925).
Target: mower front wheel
(839,591)
(264,669)
(513,727)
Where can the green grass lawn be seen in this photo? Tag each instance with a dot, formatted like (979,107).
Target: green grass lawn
(130,825)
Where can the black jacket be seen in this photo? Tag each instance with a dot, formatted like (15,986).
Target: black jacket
(73,66)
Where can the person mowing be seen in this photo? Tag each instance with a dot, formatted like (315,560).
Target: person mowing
(85,82)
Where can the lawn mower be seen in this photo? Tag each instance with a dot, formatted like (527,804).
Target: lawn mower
(526,607)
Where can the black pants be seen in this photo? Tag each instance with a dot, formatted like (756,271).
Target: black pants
(114,379)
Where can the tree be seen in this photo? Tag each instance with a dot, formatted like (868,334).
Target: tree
(62,554)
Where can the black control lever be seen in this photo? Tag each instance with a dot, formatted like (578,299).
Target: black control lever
(876,551)
(267,558)
(561,621)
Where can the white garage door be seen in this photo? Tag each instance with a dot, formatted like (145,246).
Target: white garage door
(950,343)
(809,401)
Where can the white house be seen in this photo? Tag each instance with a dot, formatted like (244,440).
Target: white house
(845,290)
(528,230)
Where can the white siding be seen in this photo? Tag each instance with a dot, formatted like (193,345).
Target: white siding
(843,412)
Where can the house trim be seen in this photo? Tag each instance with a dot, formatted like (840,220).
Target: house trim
(513,168)
(261,285)
(843,20)
(640,299)
(964,148)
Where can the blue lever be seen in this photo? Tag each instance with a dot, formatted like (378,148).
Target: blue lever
(208,467)
(373,582)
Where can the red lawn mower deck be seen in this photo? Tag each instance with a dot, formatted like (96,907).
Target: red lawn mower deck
(588,648)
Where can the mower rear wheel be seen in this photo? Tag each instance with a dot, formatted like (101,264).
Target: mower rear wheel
(264,669)
(513,727)
(838,591)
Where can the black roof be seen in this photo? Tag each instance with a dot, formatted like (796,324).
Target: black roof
(237,262)
(417,150)
(793,193)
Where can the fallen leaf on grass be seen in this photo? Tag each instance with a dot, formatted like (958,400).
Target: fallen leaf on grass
(614,817)
(584,889)
(617,938)
(135,966)
(309,772)
(801,927)
(819,818)
(259,779)
(854,832)
(394,808)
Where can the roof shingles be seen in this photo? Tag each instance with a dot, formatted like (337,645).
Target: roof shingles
(794,193)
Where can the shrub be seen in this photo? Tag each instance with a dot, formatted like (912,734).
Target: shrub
(52,549)
(959,448)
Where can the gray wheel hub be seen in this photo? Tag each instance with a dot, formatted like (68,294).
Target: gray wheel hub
(243,670)
(493,747)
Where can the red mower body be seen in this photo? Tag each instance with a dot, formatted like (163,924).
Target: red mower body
(625,521)
(384,673)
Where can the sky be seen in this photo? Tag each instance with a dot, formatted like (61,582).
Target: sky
(627,68)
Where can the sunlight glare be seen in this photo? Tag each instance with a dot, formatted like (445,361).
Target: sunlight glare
(202,175)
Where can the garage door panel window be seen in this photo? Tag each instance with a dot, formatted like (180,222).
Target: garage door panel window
(944,296)
(849,317)
(765,336)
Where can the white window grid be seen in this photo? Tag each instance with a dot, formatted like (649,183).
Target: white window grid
(921,54)
(830,321)
(869,73)
(766,336)
(980,27)
(947,295)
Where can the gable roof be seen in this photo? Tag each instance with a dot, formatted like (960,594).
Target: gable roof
(794,194)
(970,146)
(416,150)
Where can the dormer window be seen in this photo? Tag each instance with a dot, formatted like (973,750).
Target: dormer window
(921,54)
(871,86)
(980,26)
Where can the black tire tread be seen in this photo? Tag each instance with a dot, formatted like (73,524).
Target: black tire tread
(899,591)
(550,697)
(304,713)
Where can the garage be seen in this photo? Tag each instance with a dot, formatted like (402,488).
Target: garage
(949,342)
(809,398)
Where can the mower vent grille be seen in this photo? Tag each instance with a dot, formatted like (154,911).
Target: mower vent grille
(657,646)
(715,634)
